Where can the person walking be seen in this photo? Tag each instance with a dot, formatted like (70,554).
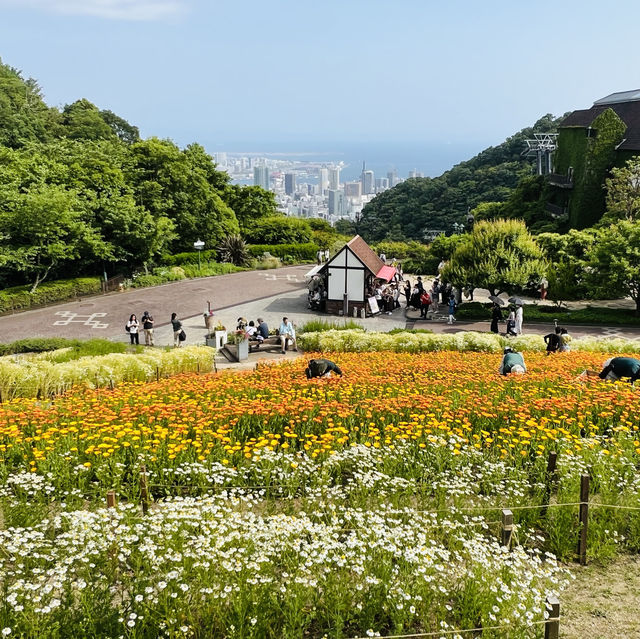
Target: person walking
(132,329)
(425,303)
(452,308)
(177,329)
(544,288)
(519,313)
(147,327)
(496,316)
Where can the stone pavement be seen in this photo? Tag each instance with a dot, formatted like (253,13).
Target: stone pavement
(106,315)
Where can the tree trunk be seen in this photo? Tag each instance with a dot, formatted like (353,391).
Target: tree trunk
(39,280)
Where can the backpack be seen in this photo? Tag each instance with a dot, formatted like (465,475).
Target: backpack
(182,336)
(126,327)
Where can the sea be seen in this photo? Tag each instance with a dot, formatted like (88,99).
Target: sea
(429,159)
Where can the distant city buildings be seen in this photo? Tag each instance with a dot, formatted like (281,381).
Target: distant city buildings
(261,177)
(307,188)
(289,183)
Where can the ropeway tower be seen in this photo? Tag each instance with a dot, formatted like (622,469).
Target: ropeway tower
(543,145)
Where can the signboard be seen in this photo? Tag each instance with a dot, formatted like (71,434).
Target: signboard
(373,305)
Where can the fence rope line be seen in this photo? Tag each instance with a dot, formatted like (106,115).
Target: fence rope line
(439,633)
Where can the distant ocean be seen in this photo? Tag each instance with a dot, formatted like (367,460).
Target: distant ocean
(430,159)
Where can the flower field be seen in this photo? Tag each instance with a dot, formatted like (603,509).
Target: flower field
(367,505)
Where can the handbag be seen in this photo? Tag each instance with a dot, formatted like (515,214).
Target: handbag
(182,335)
(126,327)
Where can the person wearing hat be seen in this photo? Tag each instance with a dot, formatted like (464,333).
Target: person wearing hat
(617,368)
(147,327)
(512,362)
(321,368)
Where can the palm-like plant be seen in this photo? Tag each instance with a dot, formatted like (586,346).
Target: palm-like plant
(234,249)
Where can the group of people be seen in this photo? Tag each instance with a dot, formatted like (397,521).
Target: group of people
(514,319)
(146,324)
(387,296)
(258,331)
(428,301)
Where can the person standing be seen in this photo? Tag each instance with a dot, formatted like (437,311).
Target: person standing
(452,308)
(147,327)
(407,292)
(425,303)
(544,288)
(177,329)
(132,329)
(287,333)
(496,316)
(519,314)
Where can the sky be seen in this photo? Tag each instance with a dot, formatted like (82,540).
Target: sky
(249,75)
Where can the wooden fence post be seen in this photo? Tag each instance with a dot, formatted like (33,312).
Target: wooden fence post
(144,490)
(584,519)
(157,373)
(549,480)
(552,625)
(507,527)
(111,499)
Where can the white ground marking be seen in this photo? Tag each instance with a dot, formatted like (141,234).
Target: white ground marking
(87,320)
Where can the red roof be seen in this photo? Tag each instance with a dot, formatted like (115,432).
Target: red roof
(386,273)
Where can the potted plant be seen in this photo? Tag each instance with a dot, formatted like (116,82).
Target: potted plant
(238,345)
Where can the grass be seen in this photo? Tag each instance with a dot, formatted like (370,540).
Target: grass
(542,313)
(319,325)
(73,348)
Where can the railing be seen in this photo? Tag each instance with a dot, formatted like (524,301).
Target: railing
(562,181)
(113,283)
(556,211)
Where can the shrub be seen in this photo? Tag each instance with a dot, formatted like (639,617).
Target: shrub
(315,325)
(36,345)
(234,249)
(46,376)
(297,252)
(279,230)
(18,298)
(208,269)
(191,257)
(268,263)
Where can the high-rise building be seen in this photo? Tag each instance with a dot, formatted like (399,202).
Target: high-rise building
(221,158)
(289,183)
(382,184)
(392,176)
(261,177)
(334,178)
(353,189)
(415,174)
(336,202)
(323,179)
(367,182)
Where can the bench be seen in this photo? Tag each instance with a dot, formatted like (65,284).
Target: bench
(272,343)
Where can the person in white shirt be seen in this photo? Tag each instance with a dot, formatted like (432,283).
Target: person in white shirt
(519,320)
(287,333)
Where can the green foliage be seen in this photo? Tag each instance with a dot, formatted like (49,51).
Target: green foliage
(596,315)
(191,257)
(296,252)
(207,269)
(414,257)
(250,203)
(18,298)
(279,230)
(36,345)
(615,261)
(83,120)
(407,210)
(233,249)
(499,256)
(623,193)
(315,325)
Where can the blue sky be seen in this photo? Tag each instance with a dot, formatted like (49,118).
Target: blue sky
(247,74)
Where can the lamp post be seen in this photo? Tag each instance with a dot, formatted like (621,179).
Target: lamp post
(198,246)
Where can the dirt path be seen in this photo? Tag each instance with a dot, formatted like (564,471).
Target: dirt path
(603,602)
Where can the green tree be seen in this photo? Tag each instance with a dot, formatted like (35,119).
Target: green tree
(83,120)
(43,228)
(124,131)
(279,230)
(24,117)
(623,193)
(250,203)
(183,186)
(499,256)
(614,260)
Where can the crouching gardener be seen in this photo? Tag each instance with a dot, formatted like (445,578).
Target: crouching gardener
(617,368)
(512,362)
(321,368)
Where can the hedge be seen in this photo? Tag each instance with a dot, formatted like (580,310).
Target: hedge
(191,257)
(298,252)
(18,298)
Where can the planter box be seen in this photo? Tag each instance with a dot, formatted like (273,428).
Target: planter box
(239,351)
(211,341)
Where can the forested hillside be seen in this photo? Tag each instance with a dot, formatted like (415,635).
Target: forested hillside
(80,192)
(418,204)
